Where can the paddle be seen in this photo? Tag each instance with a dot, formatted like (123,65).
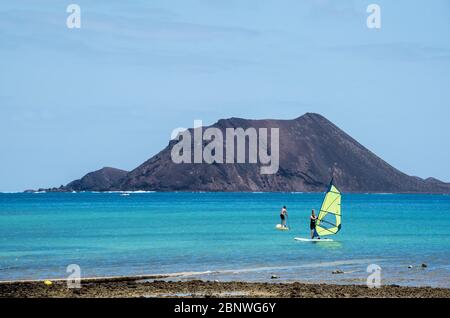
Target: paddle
(287,223)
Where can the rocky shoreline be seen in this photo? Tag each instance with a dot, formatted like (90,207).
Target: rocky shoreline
(137,287)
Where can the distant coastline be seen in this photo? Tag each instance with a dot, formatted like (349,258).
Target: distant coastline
(312,150)
(42,191)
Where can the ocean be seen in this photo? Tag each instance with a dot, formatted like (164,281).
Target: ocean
(224,236)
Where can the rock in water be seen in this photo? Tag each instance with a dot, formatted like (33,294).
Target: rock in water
(424,265)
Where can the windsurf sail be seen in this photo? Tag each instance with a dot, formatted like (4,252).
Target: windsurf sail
(329,219)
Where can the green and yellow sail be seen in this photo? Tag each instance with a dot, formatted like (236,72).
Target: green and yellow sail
(329,219)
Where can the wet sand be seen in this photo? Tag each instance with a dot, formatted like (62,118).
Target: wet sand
(137,287)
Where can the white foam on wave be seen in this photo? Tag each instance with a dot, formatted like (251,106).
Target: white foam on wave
(274,268)
(190,274)
(121,192)
(132,192)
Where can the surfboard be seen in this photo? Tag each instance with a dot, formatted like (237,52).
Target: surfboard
(280,227)
(301,239)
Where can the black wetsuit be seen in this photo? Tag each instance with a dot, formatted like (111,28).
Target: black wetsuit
(312,226)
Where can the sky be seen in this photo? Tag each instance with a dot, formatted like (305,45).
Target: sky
(110,93)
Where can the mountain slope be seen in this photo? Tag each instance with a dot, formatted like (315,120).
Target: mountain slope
(312,150)
(100,180)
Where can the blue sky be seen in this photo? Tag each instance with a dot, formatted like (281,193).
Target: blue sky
(110,93)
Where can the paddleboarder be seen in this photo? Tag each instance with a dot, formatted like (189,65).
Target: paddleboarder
(283,216)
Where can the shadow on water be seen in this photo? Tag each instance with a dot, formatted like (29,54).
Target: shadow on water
(334,245)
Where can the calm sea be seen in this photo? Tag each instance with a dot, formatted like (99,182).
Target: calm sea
(223,236)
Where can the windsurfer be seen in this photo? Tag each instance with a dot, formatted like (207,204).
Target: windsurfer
(312,224)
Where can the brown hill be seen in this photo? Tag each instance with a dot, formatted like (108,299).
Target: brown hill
(100,180)
(312,150)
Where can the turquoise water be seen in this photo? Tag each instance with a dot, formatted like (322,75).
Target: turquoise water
(224,236)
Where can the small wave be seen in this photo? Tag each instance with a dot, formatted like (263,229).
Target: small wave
(272,268)
(137,192)
(116,192)
(376,193)
(191,273)
(131,192)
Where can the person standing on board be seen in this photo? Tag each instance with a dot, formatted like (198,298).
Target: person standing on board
(312,224)
(283,216)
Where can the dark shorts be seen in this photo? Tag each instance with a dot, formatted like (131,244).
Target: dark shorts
(282,216)
(312,226)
